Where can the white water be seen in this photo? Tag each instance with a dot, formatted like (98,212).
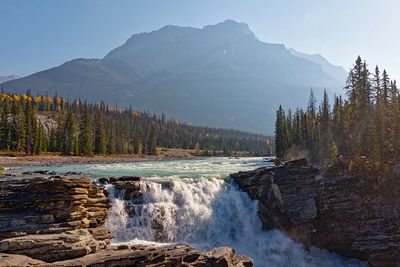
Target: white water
(200,208)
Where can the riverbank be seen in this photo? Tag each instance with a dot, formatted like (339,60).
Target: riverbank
(56,160)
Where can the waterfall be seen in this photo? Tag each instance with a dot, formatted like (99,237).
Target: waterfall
(207,212)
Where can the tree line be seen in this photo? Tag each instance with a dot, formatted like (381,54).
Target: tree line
(365,124)
(37,124)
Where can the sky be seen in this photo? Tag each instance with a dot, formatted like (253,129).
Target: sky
(40,34)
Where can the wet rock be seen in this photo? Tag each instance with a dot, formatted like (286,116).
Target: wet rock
(130,190)
(104,180)
(287,196)
(43,172)
(345,214)
(130,178)
(56,177)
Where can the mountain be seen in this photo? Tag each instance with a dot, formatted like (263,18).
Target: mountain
(8,78)
(336,72)
(220,75)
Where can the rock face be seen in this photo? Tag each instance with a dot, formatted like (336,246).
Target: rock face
(60,222)
(52,219)
(346,214)
(360,219)
(286,197)
(42,205)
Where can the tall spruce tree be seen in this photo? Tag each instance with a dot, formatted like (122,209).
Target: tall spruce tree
(280,133)
(100,134)
(86,134)
(5,127)
(69,134)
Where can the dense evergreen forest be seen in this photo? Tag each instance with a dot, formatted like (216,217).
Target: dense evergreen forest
(363,127)
(34,125)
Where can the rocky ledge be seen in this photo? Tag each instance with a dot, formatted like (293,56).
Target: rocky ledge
(141,255)
(346,214)
(60,222)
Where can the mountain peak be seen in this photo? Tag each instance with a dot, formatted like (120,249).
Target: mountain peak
(230,25)
(174,28)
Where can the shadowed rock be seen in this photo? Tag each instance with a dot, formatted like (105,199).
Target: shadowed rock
(345,214)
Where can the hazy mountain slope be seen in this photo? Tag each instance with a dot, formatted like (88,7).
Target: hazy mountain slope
(8,78)
(336,72)
(220,75)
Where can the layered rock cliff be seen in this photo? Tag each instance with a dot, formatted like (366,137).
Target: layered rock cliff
(345,214)
(60,222)
(52,219)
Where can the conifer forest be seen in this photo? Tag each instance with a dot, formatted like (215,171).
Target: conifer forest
(37,124)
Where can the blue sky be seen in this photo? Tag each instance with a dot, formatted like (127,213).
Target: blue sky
(39,34)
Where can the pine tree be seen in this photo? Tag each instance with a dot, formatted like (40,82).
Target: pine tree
(100,135)
(152,140)
(137,142)
(325,138)
(69,134)
(86,134)
(31,128)
(111,138)
(53,147)
(5,128)
(39,140)
(281,142)
(394,127)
